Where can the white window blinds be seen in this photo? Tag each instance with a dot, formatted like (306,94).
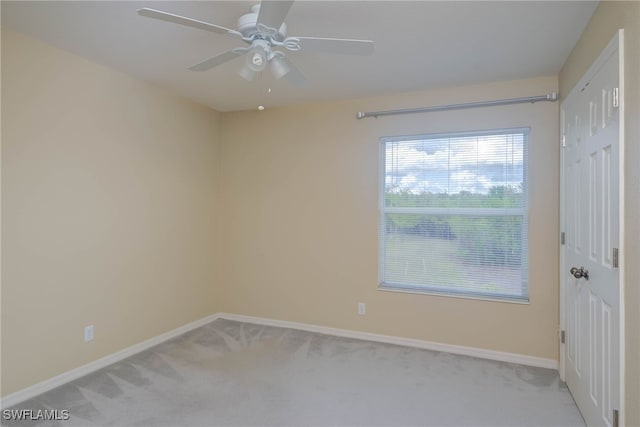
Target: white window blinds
(454,214)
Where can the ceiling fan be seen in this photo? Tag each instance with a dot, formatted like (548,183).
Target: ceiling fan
(265,33)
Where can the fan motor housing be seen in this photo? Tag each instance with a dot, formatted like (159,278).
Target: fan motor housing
(247,25)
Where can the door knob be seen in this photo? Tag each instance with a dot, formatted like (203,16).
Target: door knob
(579,273)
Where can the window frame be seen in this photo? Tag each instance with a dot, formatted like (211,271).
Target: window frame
(477,212)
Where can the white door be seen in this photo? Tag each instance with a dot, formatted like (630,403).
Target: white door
(591,221)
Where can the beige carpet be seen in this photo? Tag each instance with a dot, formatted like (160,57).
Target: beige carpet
(240,374)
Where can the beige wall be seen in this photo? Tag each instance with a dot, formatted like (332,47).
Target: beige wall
(300,197)
(607,19)
(109,193)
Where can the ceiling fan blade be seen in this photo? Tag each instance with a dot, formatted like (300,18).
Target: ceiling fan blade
(294,75)
(273,12)
(215,61)
(343,46)
(177,19)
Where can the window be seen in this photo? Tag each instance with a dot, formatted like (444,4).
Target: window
(454,214)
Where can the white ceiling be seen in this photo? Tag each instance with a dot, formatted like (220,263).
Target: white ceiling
(418,44)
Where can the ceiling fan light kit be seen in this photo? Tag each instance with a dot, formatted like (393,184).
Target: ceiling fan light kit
(257,57)
(263,29)
(247,73)
(279,67)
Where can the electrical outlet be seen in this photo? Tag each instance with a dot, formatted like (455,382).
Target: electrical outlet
(362,308)
(88,333)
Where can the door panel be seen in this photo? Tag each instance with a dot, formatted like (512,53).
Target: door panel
(591,222)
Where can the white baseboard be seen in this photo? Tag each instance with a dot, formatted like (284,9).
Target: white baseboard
(65,377)
(51,383)
(500,356)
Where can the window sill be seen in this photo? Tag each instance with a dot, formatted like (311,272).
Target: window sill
(409,290)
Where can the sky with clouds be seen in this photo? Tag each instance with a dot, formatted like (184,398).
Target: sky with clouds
(452,165)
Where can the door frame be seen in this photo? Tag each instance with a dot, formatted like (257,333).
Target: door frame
(616,44)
